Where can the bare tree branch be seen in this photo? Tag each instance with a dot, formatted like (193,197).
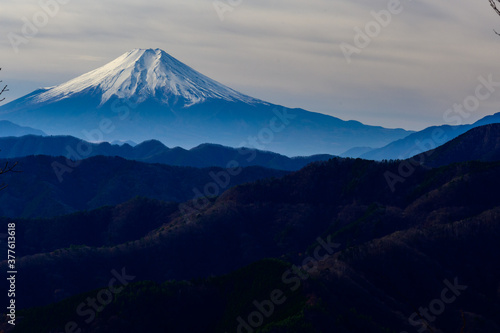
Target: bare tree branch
(495,8)
(3,90)
(9,168)
(6,169)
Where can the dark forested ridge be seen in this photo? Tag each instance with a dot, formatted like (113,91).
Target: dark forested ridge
(373,258)
(424,140)
(51,186)
(478,144)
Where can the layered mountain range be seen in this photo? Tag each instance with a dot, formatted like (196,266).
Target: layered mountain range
(113,236)
(8,128)
(148,94)
(421,141)
(385,254)
(152,151)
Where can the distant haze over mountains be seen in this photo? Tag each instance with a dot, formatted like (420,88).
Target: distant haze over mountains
(152,151)
(441,223)
(8,128)
(419,142)
(147,94)
(478,144)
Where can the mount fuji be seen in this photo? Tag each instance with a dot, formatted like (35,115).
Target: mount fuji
(142,74)
(147,94)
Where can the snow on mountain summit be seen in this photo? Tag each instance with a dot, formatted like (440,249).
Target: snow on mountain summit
(143,74)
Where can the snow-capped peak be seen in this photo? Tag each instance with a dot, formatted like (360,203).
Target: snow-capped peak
(142,74)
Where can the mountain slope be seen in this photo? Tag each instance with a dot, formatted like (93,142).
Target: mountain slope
(422,258)
(277,218)
(51,186)
(205,155)
(8,129)
(147,94)
(141,74)
(105,226)
(356,152)
(425,140)
(375,287)
(478,144)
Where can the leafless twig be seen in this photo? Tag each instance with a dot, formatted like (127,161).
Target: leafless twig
(3,90)
(495,8)
(6,169)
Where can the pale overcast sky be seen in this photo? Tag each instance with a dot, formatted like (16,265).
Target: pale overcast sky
(427,56)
